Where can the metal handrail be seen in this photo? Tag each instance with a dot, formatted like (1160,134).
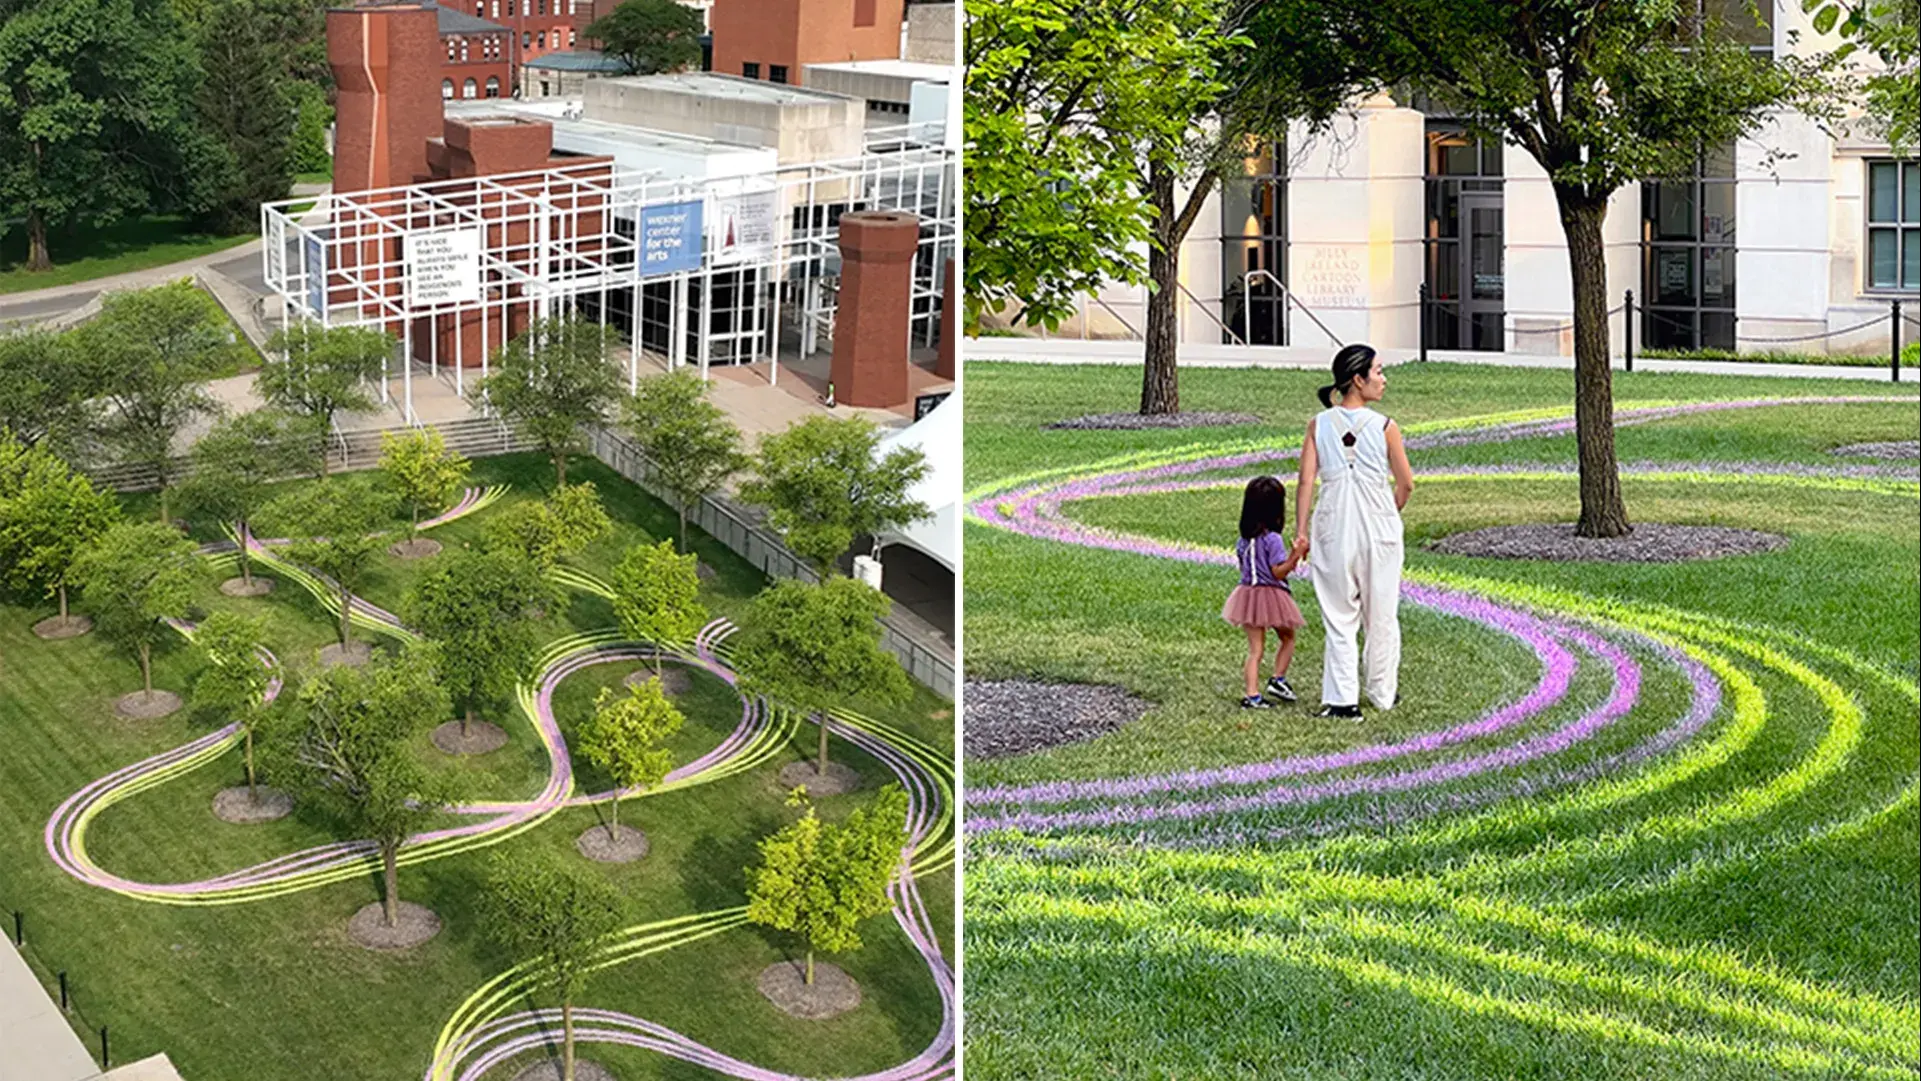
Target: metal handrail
(1238,340)
(1246,289)
(1118,317)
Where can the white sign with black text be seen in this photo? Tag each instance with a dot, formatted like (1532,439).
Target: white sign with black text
(744,226)
(443,267)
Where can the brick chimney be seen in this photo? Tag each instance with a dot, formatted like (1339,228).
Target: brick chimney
(386,59)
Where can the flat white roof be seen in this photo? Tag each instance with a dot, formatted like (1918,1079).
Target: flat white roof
(623,134)
(706,84)
(916,70)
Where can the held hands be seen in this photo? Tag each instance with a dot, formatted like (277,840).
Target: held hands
(1299,551)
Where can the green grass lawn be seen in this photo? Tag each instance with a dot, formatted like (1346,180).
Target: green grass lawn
(274,988)
(86,254)
(1741,904)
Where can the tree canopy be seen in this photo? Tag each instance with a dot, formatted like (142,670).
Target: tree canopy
(477,606)
(133,580)
(820,881)
(543,531)
(624,737)
(560,915)
(553,382)
(320,372)
(421,470)
(244,115)
(690,444)
(657,596)
(43,387)
(652,37)
(823,484)
(336,528)
(235,682)
(49,515)
(236,461)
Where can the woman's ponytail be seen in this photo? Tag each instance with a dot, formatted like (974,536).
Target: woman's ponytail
(1351,363)
(1327,395)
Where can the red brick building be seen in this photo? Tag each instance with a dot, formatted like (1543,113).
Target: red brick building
(536,26)
(479,56)
(775,39)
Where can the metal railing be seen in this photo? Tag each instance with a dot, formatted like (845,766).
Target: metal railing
(1292,301)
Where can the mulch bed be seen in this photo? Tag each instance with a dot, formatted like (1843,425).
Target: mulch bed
(1002,718)
(548,1069)
(54,628)
(139,706)
(482,737)
(625,846)
(1651,542)
(832,993)
(1136,422)
(840,779)
(418,548)
(674,679)
(238,587)
(1897,451)
(236,806)
(417,924)
(353,656)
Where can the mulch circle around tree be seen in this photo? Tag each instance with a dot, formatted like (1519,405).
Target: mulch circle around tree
(548,1069)
(1650,542)
(1002,718)
(674,679)
(1136,421)
(482,737)
(140,706)
(832,993)
(418,548)
(353,656)
(1899,450)
(54,628)
(840,779)
(417,924)
(625,846)
(235,805)
(238,587)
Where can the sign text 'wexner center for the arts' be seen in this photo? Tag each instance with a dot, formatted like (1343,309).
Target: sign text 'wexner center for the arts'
(670,239)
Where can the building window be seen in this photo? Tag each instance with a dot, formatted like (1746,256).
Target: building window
(496,9)
(777,73)
(469,89)
(510,9)
(543,7)
(573,37)
(526,40)
(540,39)
(1465,239)
(463,50)
(750,69)
(480,8)
(493,86)
(543,89)
(1894,225)
(863,12)
(446,89)
(450,50)
(1688,257)
(1254,238)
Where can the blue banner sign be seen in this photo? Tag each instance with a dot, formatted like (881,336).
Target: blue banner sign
(316,258)
(670,239)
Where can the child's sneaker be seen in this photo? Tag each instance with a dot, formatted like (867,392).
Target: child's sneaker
(1351,713)
(1278,687)
(1255,701)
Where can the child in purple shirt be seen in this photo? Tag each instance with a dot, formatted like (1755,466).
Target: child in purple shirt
(1263,600)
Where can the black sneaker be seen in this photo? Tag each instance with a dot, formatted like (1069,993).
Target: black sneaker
(1255,701)
(1352,713)
(1278,687)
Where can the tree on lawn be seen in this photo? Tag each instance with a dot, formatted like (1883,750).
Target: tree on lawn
(335,527)
(553,382)
(151,353)
(234,685)
(819,881)
(321,372)
(544,531)
(243,112)
(657,596)
(822,486)
(421,471)
(624,738)
(558,916)
(1601,96)
(135,579)
(477,607)
(49,516)
(689,442)
(352,754)
(95,100)
(651,37)
(43,387)
(816,648)
(236,462)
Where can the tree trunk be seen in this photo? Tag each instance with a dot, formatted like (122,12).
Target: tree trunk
(567,1040)
(683,526)
(253,792)
(560,470)
(63,603)
(346,607)
(613,817)
(37,256)
(810,966)
(1160,382)
(146,671)
(820,769)
(246,564)
(1603,514)
(391,872)
(466,721)
(326,425)
(164,519)
(413,527)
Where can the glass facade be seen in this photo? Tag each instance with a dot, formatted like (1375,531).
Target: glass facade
(1466,240)
(1688,257)
(1254,237)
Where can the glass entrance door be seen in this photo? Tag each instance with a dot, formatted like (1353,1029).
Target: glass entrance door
(1466,241)
(1483,278)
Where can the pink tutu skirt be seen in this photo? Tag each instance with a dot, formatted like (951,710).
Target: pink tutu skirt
(1262,606)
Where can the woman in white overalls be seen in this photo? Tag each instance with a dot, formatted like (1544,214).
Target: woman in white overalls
(1356,533)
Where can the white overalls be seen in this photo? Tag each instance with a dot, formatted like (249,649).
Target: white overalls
(1356,557)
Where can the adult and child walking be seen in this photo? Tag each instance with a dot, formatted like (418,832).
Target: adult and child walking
(1349,536)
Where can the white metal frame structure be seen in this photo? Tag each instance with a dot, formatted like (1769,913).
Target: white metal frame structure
(568,234)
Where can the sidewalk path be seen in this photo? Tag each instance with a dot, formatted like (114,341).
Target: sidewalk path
(39,304)
(36,1043)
